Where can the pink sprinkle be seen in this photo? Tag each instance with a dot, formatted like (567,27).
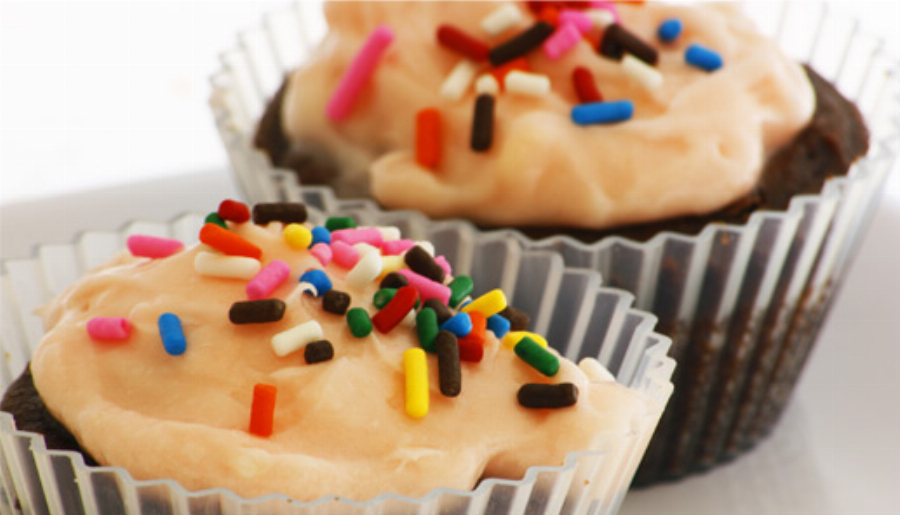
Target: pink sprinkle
(581,20)
(396,247)
(152,246)
(442,262)
(564,39)
(322,252)
(266,280)
(427,288)
(344,255)
(358,73)
(372,236)
(609,6)
(109,328)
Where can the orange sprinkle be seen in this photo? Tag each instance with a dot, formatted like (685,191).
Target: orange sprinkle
(428,137)
(228,242)
(479,325)
(263,409)
(500,72)
(550,14)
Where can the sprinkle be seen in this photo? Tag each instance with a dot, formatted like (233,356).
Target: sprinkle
(396,247)
(228,242)
(388,232)
(459,324)
(233,211)
(538,357)
(479,325)
(284,212)
(256,311)
(518,319)
(603,112)
(320,235)
(585,87)
(459,80)
(318,279)
(336,223)
(428,137)
(595,371)
(579,19)
(601,18)
(322,252)
(460,287)
(358,73)
(214,218)
(499,73)
(297,236)
(172,334)
(369,235)
(536,395)
(488,304)
(550,14)
(395,311)
(617,41)
(442,262)
(318,351)
(229,267)
(344,255)
(262,409)
(642,73)
(513,338)
(564,39)
(336,302)
(501,19)
(427,328)
(455,39)
(383,296)
(109,328)
(420,262)
(394,280)
(470,350)
(441,309)
(610,7)
(449,375)
(296,337)
(525,83)
(521,44)
(359,322)
(152,246)
(390,264)
(483,123)
(703,58)
(365,271)
(427,288)
(427,246)
(498,325)
(267,279)
(669,30)
(486,84)
(415,367)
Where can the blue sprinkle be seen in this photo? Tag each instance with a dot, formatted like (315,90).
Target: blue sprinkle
(703,58)
(172,334)
(498,325)
(459,324)
(320,235)
(669,30)
(602,112)
(318,279)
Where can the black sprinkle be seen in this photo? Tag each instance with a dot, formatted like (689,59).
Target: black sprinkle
(443,312)
(521,44)
(483,123)
(449,374)
(256,311)
(420,261)
(318,351)
(535,395)
(617,40)
(336,302)
(518,320)
(393,280)
(284,212)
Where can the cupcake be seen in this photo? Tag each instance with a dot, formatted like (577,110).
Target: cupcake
(286,364)
(738,170)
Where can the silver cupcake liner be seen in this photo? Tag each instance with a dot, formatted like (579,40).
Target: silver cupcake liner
(579,316)
(743,303)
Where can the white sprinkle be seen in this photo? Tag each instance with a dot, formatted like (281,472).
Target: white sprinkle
(365,271)
(524,83)
(601,18)
(426,246)
(302,287)
(388,232)
(233,267)
(642,73)
(459,80)
(293,339)
(487,84)
(502,18)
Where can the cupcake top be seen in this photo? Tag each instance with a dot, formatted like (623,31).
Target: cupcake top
(683,128)
(249,362)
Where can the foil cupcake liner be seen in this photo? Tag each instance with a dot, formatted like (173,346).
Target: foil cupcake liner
(579,316)
(742,303)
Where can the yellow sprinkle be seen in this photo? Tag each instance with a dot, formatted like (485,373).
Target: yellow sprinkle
(488,304)
(512,339)
(390,264)
(416,368)
(297,236)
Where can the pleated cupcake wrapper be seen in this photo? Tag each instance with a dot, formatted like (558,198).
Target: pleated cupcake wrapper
(568,305)
(742,303)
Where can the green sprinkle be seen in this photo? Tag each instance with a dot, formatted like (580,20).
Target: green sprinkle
(340,222)
(383,296)
(427,327)
(359,322)
(214,218)
(460,288)
(538,357)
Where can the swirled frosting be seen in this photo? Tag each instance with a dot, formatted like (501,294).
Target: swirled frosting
(339,427)
(694,145)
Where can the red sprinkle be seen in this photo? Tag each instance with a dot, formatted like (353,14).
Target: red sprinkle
(550,14)
(499,73)
(262,411)
(234,211)
(585,87)
(428,137)
(470,350)
(395,311)
(479,325)
(228,242)
(458,41)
